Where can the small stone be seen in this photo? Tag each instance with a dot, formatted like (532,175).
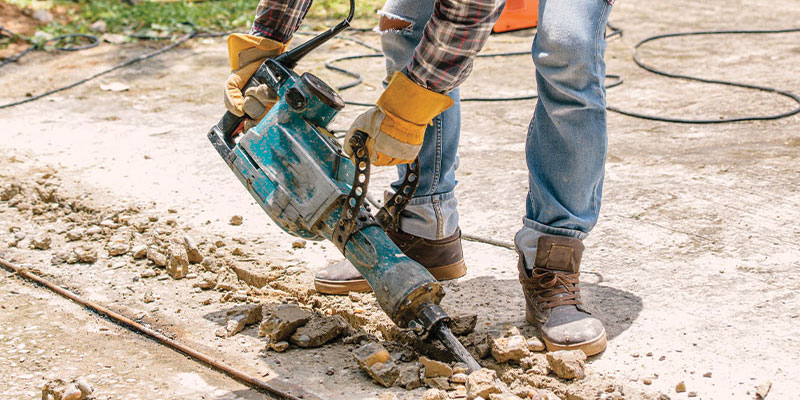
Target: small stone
(459,378)
(239,317)
(219,243)
(236,220)
(435,368)
(763,390)
(41,242)
(83,385)
(139,251)
(191,275)
(409,377)
(482,383)
(192,251)
(237,251)
(178,262)
(534,344)
(463,325)
(330,371)
(148,273)
(85,255)
(567,364)
(434,394)
(647,381)
(503,396)
(75,234)
(680,387)
(94,230)
(319,330)
(376,361)
(282,320)
(545,395)
(354,297)
(207,281)
(691,394)
(299,244)
(509,349)
(387,396)
(536,363)
(119,244)
(157,257)
(279,347)
(440,382)
(707,375)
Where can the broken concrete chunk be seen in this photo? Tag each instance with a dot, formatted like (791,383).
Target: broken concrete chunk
(463,324)
(239,317)
(434,394)
(178,263)
(279,347)
(236,220)
(509,349)
(41,242)
(119,244)
(535,363)
(440,382)
(567,364)
(680,387)
(534,344)
(74,234)
(459,378)
(482,383)
(280,321)
(58,389)
(10,191)
(148,273)
(376,361)
(192,251)
(409,377)
(157,257)
(84,255)
(139,251)
(207,281)
(319,330)
(435,368)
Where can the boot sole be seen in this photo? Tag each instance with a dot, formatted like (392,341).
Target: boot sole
(589,347)
(441,273)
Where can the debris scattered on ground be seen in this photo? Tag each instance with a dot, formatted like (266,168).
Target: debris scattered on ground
(482,383)
(511,347)
(534,344)
(319,330)
(178,263)
(299,244)
(434,394)
(409,377)
(58,389)
(375,360)
(680,387)
(435,368)
(236,220)
(279,347)
(280,321)
(238,318)
(463,325)
(567,364)
(41,242)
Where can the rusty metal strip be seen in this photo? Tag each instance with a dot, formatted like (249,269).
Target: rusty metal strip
(284,390)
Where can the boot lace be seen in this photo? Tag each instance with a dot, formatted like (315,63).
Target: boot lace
(555,289)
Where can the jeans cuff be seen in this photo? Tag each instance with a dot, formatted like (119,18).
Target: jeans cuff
(527,238)
(431,217)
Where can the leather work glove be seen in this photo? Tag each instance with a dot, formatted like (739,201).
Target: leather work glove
(396,126)
(246,53)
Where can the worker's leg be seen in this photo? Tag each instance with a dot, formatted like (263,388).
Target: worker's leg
(431,214)
(565,152)
(566,145)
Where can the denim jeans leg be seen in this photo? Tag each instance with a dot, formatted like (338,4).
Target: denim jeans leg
(567,138)
(432,213)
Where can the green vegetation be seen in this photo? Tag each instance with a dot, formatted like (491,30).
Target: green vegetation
(154,18)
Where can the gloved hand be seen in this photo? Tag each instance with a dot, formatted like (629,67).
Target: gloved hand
(246,53)
(396,126)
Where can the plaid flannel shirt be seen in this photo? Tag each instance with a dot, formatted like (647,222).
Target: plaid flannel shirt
(453,36)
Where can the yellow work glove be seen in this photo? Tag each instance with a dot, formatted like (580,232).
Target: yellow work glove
(246,53)
(396,126)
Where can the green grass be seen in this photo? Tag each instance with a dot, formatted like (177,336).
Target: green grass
(156,18)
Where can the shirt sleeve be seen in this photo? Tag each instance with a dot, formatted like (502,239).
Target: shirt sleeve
(279,19)
(452,38)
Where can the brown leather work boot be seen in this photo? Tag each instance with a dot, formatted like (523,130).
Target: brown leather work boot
(443,258)
(553,297)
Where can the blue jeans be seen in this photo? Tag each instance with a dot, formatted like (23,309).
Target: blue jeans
(566,145)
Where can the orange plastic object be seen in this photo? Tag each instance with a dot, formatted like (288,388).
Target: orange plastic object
(518,14)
